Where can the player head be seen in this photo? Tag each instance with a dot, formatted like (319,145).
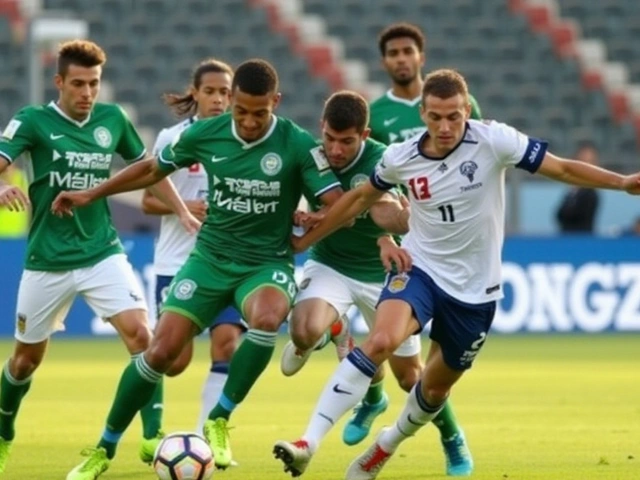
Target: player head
(208,95)
(402,49)
(344,127)
(78,77)
(445,108)
(254,97)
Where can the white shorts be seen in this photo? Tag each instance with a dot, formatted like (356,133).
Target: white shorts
(44,298)
(341,292)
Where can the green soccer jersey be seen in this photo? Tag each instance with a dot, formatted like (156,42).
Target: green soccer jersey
(69,155)
(395,119)
(353,251)
(254,188)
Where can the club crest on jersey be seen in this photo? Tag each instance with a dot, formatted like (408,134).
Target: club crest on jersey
(397,283)
(357,180)
(271,164)
(184,289)
(468,169)
(102,136)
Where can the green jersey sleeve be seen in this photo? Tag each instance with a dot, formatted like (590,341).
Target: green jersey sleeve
(476,113)
(130,146)
(179,153)
(17,137)
(317,175)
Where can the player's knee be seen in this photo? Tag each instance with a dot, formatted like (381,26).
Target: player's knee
(380,345)
(408,378)
(138,339)
(178,366)
(267,322)
(24,364)
(435,394)
(161,357)
(305,334)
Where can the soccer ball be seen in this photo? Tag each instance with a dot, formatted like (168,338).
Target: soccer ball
(183,456)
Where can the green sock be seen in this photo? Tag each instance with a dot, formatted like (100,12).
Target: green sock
(12,392)
(151,413)
(248,362)
(375,393)
(446,421)
(137,386)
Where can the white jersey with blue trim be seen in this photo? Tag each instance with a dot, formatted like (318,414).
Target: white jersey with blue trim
(174,244)
(456,227)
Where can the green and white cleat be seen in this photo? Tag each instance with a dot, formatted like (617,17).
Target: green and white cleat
(95,465)
(148,447)
(5,451)
(217,434)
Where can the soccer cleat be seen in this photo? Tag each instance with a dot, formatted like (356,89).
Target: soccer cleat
(359,425)
(5,451)
(458,455)
(217,434)
(95,465)
(367,466)
(341,337)
(293,359)
(148,447)
(295,456)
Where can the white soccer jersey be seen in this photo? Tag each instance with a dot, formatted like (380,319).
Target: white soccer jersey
(174,243)
(456,227)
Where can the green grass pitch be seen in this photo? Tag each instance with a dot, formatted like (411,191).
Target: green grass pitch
(533,407)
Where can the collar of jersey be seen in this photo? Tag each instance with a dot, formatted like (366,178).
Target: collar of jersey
(245,144)
(59,111)
(354,161)
(424,136)
(394,98)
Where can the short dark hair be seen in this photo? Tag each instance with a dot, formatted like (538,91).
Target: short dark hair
(184,104)
(255,77)
(401,30)
(79,52)
(444,83)
(346,109)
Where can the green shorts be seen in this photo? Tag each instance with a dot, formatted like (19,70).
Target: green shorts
(206,285)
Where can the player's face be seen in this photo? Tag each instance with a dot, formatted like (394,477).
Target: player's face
(341,147)
(445,119)
(214,94)
(252,113)
(402,60)
(79,89)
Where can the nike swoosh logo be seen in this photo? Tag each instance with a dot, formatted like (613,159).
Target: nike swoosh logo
(411,420)
(4,412)
(215,159)
(157,406)
(390,121)
(337,389)
(55,137)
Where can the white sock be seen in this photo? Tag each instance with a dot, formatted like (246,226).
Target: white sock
(415,415)
(341,393)
(211,392)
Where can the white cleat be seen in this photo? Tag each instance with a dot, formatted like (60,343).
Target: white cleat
(367,466)
(341,337)
(293,359)
(295,456)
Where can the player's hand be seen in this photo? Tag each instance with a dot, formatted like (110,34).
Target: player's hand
(404,201)
(66,201)
(631,184)
(13,198)
(190,223)
(306,220)
(198,208)
(391,254)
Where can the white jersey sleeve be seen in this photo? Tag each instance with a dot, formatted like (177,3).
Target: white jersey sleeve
(385,176)
(514,148)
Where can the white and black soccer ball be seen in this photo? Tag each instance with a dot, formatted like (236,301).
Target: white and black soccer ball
(183,456)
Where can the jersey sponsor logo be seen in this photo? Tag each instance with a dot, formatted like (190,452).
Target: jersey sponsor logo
(11,129)
(21,323)
(240,204)
(405,134)
(389,121)
(271,164)
(253,188)
(184,289)
(398,282)
(215,159)
(468,356)
(55,156)
(102,136)
(53,136)
(358,179)
(468,169)
(320,158)
(88,161)
(74,180)
(534,152)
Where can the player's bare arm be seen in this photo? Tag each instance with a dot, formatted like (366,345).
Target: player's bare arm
(11,197)
(151,205)
(165,191)
(390,214)
(345,209)
(585,175)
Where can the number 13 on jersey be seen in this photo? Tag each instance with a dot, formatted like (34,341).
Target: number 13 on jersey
(420,188)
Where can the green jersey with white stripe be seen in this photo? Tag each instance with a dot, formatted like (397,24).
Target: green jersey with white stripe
(353,251)
(395,119)
(69,155)
(254,188)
